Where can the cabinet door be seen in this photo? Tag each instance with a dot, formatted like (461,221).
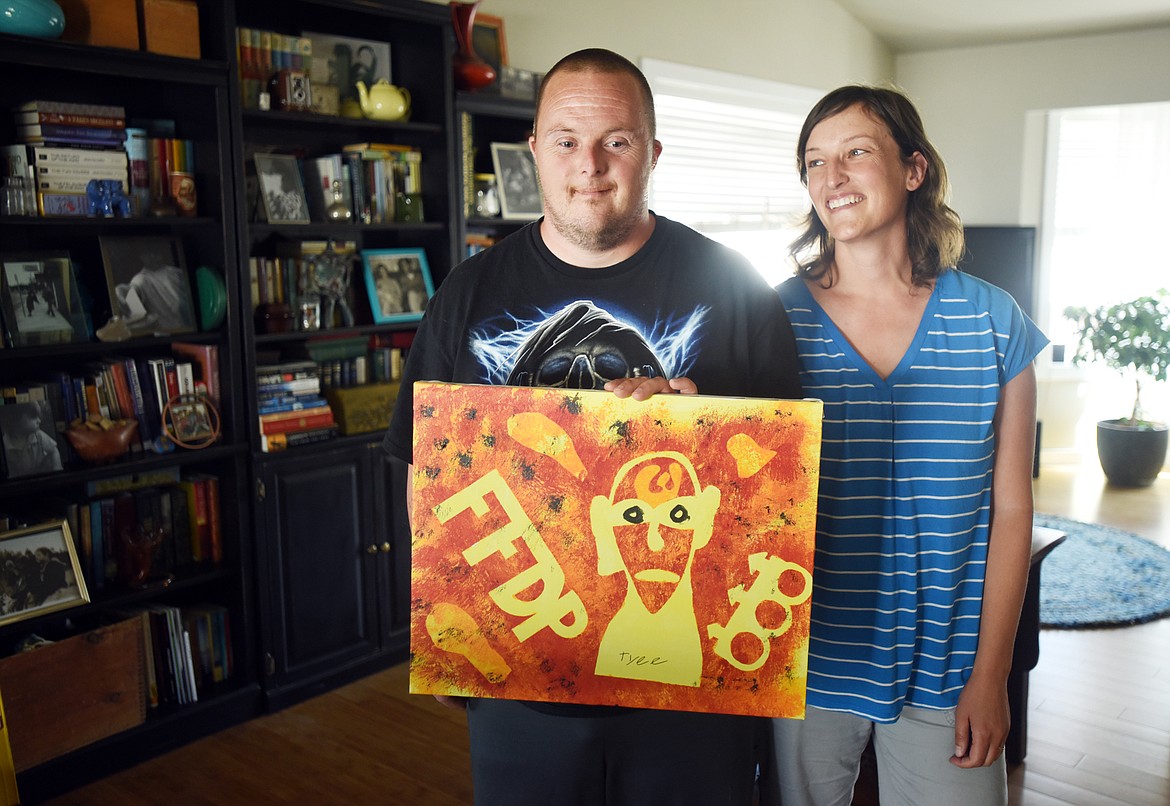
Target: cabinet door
(322,587)
(394,548)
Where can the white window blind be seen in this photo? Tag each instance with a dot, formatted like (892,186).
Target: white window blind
(728,165)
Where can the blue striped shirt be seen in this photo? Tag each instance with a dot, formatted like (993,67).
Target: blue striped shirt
(905,496)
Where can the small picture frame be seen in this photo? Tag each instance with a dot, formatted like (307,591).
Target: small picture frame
(191,422)
(41,300)
(282,191)
(146,277)
(487,38)
(31,442)
(399,284)
(39,572)
(516,181)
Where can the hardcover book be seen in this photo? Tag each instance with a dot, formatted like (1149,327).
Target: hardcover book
(572,547)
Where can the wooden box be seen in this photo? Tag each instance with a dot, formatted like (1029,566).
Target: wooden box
(362,409)
(170,27)
(68,694)
(112,23)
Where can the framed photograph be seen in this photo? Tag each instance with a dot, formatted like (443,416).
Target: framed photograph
(341,62)
(192,422)
(30,439)
(487,38)
(282,191)
(148,284)
(39,572)
(41,300)
(516,179)
(399,283)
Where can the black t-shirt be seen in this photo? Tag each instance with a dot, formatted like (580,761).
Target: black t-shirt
(683,305)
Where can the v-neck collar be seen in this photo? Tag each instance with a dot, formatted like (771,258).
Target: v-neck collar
(856,359)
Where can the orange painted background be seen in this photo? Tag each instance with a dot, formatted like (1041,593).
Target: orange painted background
(510,597)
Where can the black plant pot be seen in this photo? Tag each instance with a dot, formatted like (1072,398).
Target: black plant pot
(1131,456)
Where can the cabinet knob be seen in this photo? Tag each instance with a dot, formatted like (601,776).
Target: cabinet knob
(386,547)
(371,549)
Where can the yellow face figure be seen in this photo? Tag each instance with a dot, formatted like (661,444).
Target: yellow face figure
(653,522)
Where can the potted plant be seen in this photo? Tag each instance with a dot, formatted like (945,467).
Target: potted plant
(1128,337)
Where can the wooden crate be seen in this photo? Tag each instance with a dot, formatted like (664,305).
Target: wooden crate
(66,695)
(170,27)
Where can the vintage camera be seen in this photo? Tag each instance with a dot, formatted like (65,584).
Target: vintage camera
(290,91)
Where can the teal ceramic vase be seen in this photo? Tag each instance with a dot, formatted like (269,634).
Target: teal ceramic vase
(40,18)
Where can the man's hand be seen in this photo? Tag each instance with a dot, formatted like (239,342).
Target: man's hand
(642,388)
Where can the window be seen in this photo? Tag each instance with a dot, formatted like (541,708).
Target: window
(728,165)
(1105,209)
(1105,214)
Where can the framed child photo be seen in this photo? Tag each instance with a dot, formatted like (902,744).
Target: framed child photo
(41,300)
(282,191)
(516,176)
(39,572)
(399,284)
(146,277)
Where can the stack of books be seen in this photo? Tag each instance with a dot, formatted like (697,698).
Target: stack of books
(64,146)
(292,410)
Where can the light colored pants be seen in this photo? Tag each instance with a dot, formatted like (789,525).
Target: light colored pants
(816,762)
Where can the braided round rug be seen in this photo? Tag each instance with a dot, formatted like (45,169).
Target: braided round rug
(1102,577)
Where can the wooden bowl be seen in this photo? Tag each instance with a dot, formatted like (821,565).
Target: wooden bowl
(99,445)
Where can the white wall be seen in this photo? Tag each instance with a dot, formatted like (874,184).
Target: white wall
(812,43)
(976,103)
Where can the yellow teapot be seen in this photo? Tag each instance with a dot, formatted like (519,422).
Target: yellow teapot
(384,101)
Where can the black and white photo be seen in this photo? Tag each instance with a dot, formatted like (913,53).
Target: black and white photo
(39,572)
(41,301)
(282,190)
(399,283)
(516,177)
(30,439)
(148,284)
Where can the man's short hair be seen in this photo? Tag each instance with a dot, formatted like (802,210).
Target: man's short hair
(601,60)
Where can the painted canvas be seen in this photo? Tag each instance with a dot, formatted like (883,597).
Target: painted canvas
(572,547)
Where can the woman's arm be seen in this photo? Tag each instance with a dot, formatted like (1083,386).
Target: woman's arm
(981,718)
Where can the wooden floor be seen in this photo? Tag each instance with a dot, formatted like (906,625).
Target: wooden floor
(1099,726)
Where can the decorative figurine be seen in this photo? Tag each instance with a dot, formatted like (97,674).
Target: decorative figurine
(329,272)
(338,210)
(105,196)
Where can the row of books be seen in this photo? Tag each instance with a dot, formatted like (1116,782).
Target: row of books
(379,365)
(380,183)
(111,388)
(261,53)
(64,146)
(188,649)
(148,534)
(291,409)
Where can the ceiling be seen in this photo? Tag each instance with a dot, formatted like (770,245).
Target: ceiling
(917,25)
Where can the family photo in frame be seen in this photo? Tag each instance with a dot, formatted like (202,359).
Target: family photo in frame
(146,277)
(41,301)
(39,572)
(516,176)
(399,284)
